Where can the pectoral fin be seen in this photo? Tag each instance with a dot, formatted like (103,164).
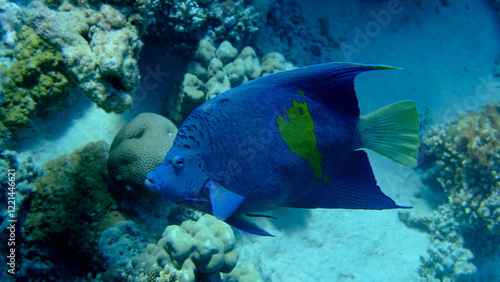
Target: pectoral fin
(242,223)
(260,215)
(224,202)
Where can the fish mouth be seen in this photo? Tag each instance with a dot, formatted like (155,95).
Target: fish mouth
(153,183)
(149,182)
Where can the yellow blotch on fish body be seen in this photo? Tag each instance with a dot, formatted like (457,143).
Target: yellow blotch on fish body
(298,134)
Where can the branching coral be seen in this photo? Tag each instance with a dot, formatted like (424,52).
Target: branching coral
(462,160)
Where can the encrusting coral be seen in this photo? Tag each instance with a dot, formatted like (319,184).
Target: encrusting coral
(35,83)
(221,68)
(100,44)
(461,159)
(194,250)
(70,208)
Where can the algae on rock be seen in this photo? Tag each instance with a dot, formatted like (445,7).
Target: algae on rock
(195,251)
(35,84)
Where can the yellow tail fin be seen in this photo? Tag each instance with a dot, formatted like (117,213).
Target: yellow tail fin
(392,131)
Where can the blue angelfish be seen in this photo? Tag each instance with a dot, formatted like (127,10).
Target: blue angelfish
(289,139)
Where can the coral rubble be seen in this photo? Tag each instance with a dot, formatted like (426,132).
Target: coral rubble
(461,160)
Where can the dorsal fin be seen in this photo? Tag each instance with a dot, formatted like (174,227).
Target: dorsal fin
(331,84)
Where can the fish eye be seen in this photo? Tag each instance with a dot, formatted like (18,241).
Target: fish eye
(178,161)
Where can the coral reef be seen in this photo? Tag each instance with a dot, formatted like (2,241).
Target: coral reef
(187,21)
(10,21)
(221,68)
(447,259)
(25,173)
(197,249)
(21,173)
(461,160)
(69,210)
(289,32)
(138,148)
(120,242)
(100,44)
(35,83)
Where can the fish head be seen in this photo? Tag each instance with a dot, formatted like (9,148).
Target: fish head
(180,177)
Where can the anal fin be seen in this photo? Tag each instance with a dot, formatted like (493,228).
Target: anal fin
(353,186)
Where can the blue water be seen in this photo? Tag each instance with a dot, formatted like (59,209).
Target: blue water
(75,221)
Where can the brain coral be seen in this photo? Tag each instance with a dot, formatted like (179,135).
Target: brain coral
(69,209)
(461,159)
(198,249)
(34,84)
(138,148)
